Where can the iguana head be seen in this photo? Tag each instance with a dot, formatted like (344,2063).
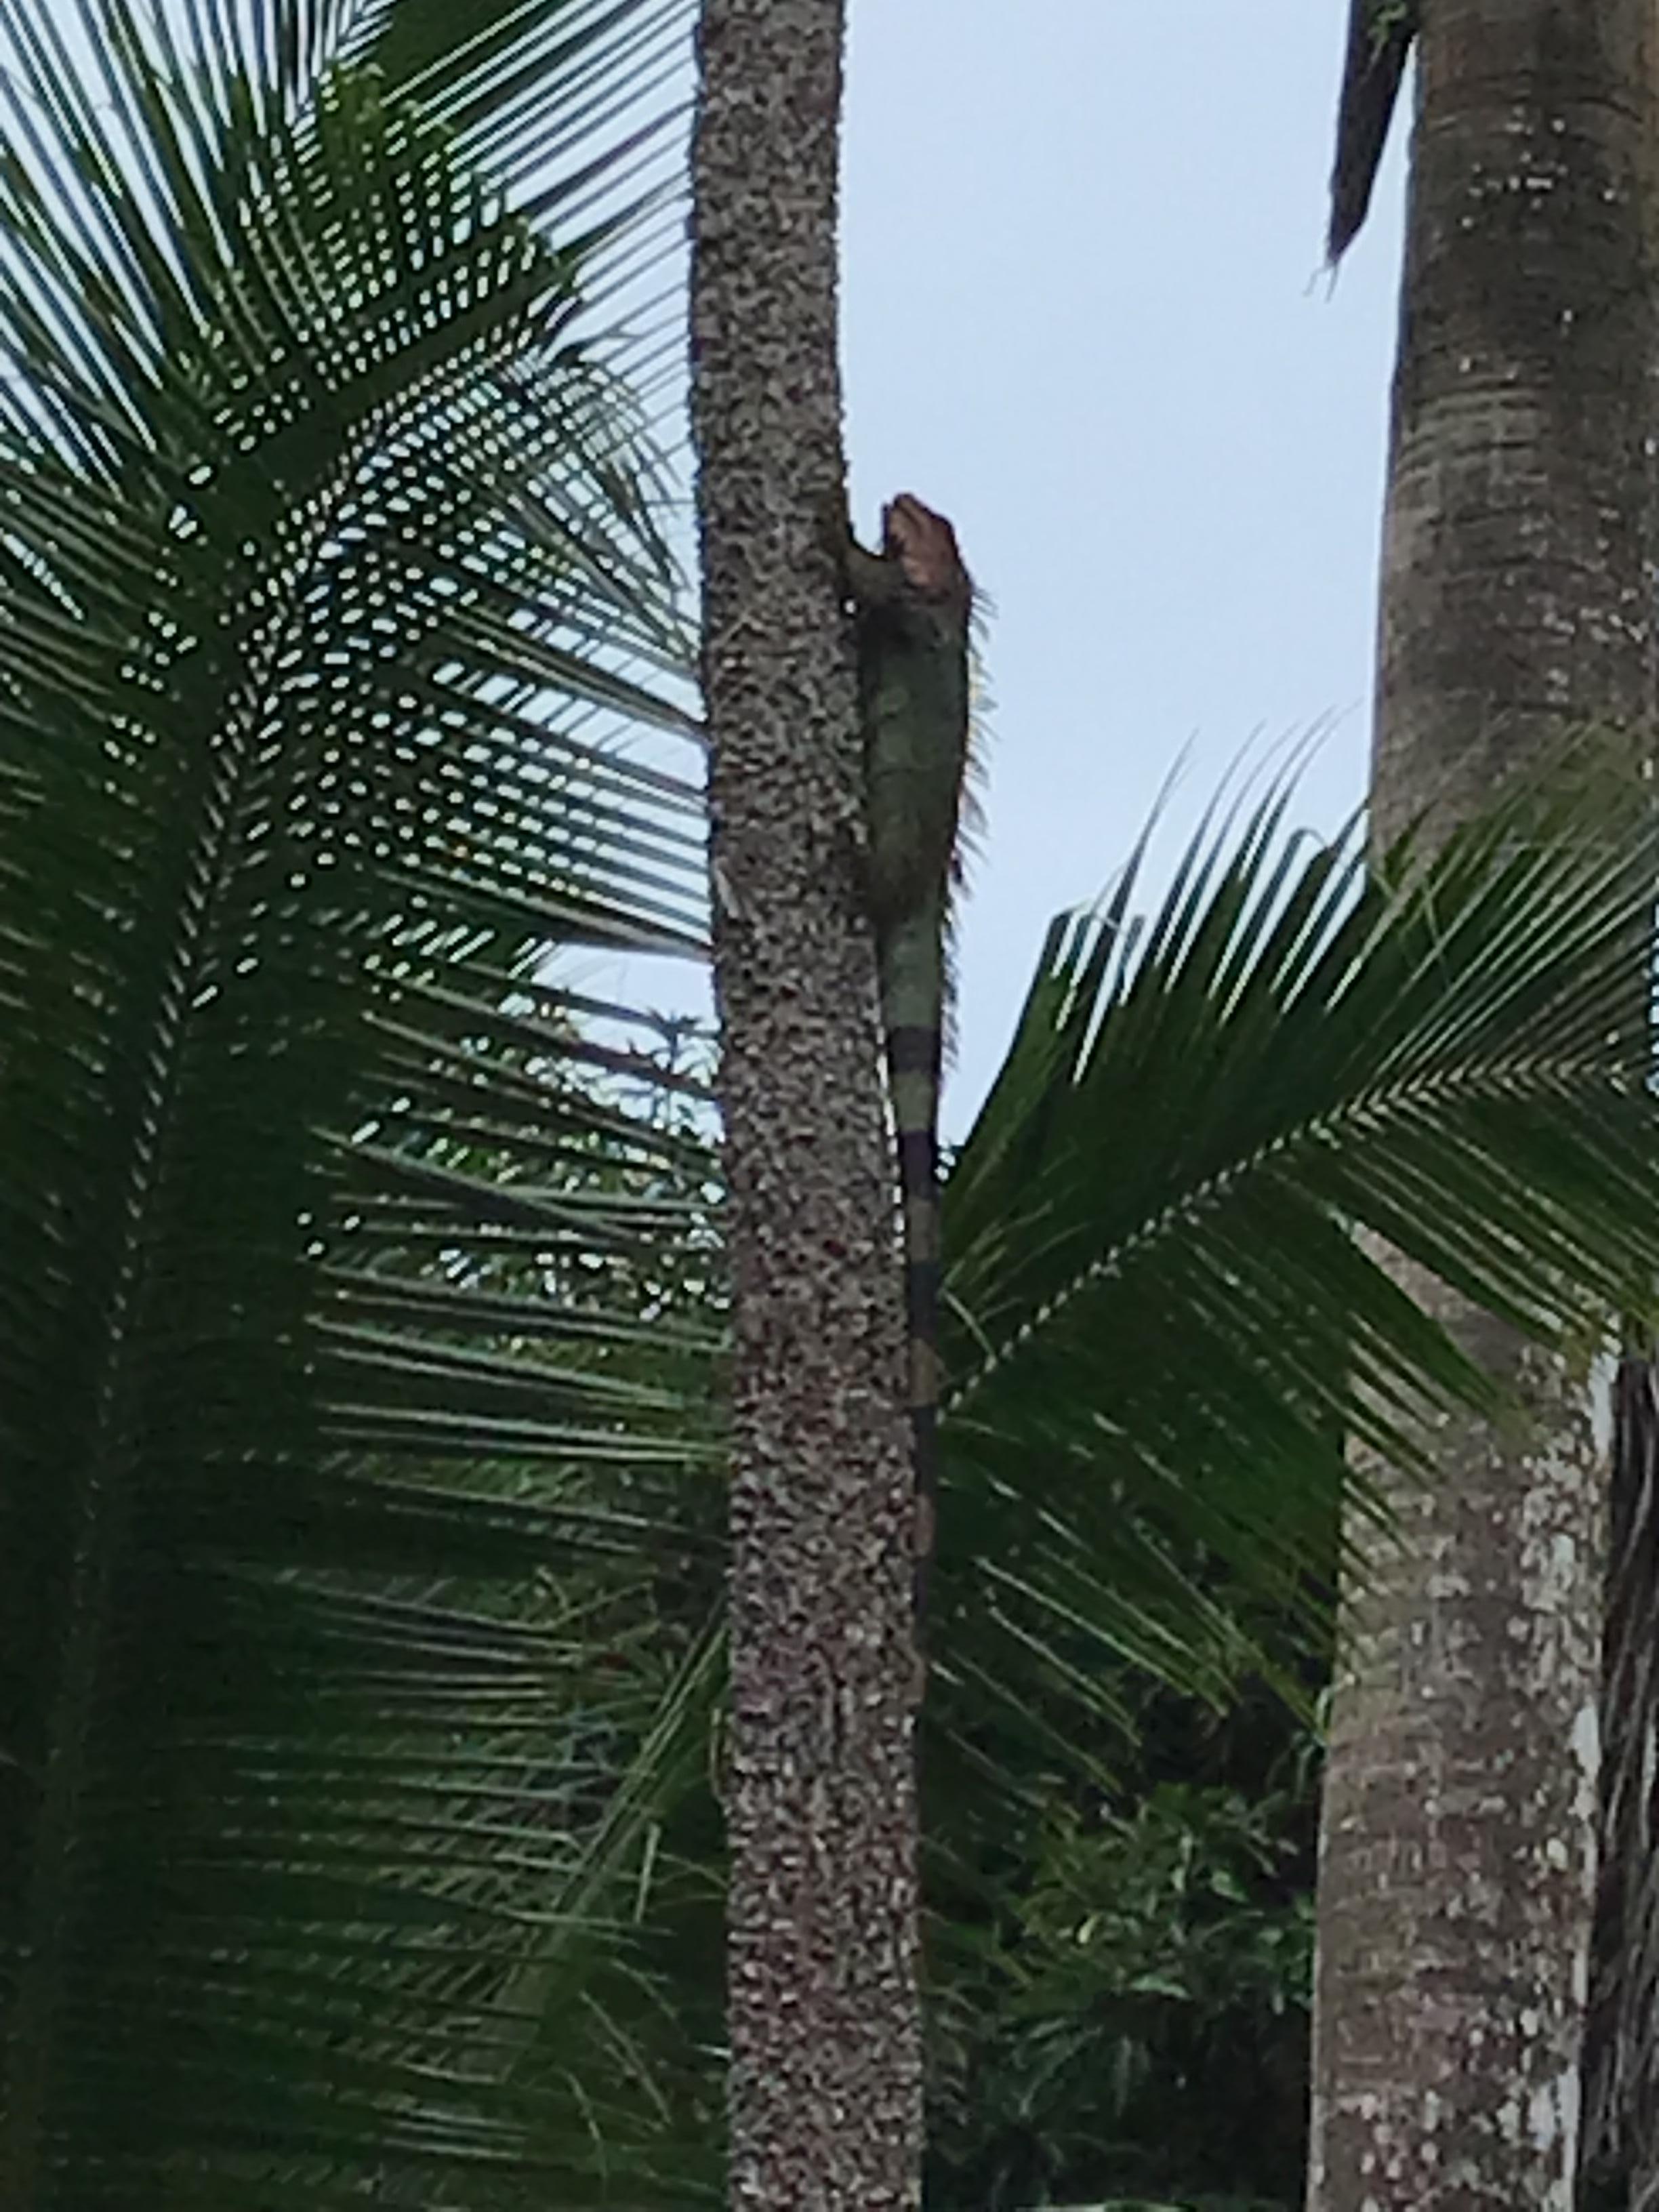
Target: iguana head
(925,546)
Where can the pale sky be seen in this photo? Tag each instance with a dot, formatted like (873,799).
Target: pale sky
(1085,316)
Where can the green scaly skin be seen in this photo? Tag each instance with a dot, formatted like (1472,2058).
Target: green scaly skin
(913,600)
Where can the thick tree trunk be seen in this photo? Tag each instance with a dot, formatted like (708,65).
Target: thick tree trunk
(826,2073)
(1458,1853)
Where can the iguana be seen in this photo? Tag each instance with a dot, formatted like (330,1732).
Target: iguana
(912,602)
(1380,35)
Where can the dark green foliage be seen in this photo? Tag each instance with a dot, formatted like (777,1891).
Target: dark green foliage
(1161,1336)
(359,1288)
(1160,1333)
(1131,2020)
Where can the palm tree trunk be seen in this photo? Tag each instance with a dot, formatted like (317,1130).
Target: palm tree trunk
(825,2099)
(1458,1854)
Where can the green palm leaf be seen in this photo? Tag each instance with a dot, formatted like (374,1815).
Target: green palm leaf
(357,1279)
(1164,1333)
(1163,1336)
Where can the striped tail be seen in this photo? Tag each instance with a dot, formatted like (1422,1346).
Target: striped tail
(912,1006)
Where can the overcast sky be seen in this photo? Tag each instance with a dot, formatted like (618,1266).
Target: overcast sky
(1086,317)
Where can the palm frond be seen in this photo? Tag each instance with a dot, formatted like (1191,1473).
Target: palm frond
(1163,1336)
(360,1291)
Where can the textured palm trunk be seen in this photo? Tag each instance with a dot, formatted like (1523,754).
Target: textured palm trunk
(825,2102)
(1458,1852)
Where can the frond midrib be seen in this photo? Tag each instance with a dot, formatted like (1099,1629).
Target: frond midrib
(1503,1081)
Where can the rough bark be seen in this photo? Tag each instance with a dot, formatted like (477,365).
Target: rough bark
(1458,1853)
(825,2101)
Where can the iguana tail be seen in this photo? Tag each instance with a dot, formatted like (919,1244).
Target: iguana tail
(912,956)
